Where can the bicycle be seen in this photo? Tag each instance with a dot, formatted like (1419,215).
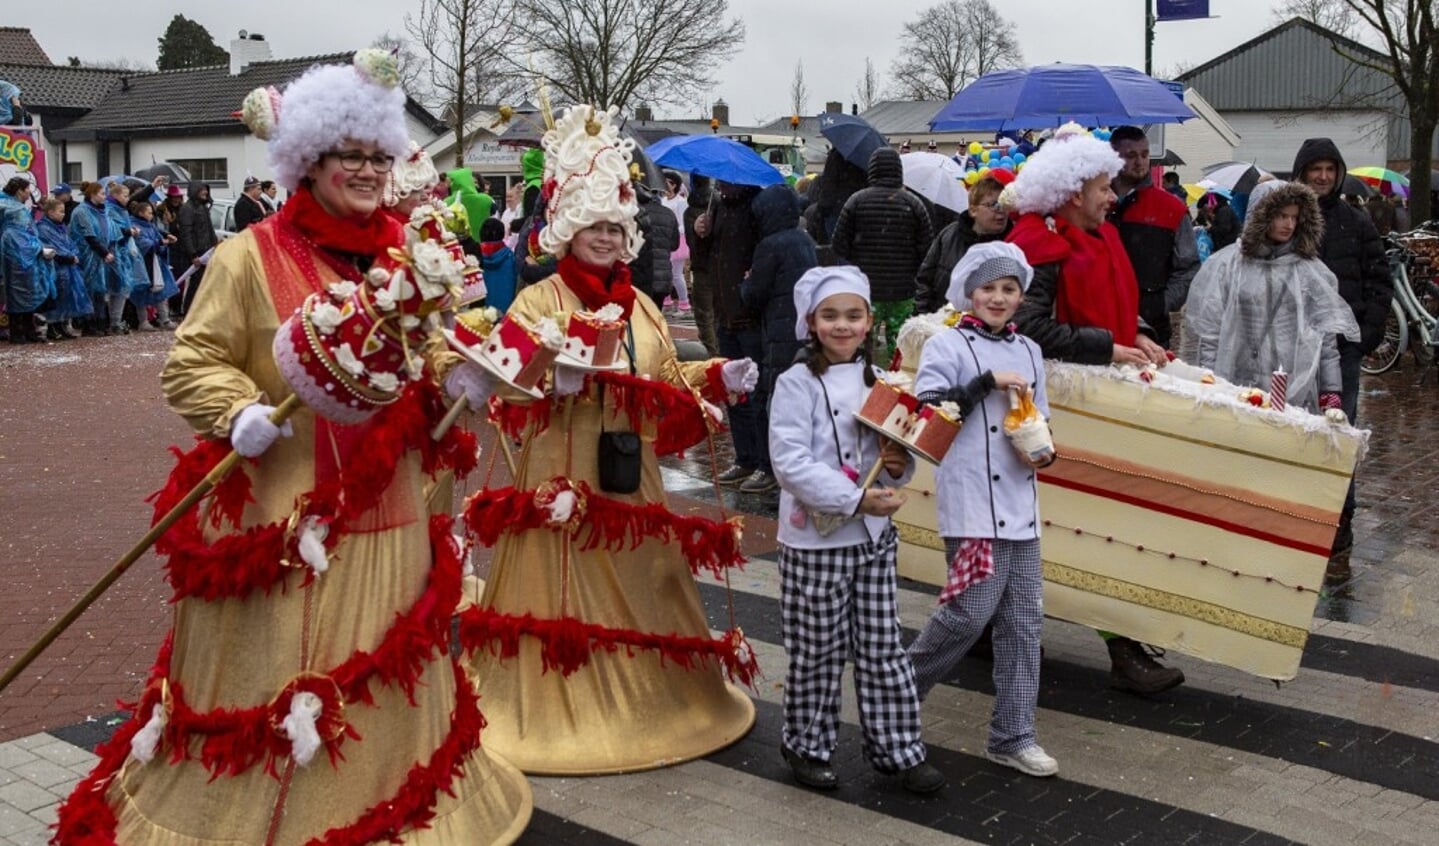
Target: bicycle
(1412,323)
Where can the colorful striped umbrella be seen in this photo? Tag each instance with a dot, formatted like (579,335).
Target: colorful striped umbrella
(1387,181)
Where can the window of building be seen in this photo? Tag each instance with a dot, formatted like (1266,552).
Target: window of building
(73,174)
(206,170)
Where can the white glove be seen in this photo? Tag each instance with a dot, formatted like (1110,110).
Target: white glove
(740,376)
(251,432)
(568,380)
(472,382)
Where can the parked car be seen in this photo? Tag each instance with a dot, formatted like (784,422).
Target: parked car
(222,215)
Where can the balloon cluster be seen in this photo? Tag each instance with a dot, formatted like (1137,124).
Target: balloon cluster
(981,161)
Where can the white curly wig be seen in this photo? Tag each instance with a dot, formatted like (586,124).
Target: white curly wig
(328,105)
(1059,170)
(587,180)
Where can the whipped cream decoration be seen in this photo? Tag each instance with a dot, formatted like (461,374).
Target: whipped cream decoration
(387,382)
(345,357)
(549,333)
(343,290)
(610,313)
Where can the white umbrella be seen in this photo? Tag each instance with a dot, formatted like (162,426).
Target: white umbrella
(937,178)
(1239,177)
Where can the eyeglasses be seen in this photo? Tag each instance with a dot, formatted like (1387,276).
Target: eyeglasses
(993,206)
(354,160)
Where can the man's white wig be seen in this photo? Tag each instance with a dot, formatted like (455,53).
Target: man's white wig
(1059,170)
(327,106)
(587,180)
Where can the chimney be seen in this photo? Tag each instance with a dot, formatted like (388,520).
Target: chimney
(721,112)
(644,114)
(246,50)
(834,107)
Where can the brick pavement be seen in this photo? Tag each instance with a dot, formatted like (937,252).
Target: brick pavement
(1343,755)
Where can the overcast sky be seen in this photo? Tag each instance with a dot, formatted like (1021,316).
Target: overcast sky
(831,37)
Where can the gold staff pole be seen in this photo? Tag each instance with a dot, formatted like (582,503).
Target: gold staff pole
(213,478)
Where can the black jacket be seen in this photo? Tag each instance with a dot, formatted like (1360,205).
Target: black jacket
(699,248)
(247,212)
(1352,248)
(651,271)
(884,230)
(782,256)
(195,233)
(948,248)
(731,244)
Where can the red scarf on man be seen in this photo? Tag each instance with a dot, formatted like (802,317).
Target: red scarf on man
(1096,281)
(597,286)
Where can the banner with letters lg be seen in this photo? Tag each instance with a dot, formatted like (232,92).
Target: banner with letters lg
(20,153)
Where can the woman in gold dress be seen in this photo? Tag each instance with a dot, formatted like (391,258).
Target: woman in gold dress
(303,696)
(592,652)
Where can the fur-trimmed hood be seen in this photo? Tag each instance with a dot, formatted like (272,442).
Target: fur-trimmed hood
(1308,232)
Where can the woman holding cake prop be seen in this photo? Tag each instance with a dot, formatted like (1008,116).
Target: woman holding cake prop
(989,501)
(305,692)
(837,577)
(591,648)
(1269,303)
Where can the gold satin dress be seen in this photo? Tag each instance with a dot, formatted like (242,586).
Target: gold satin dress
(619,712)
(241,652)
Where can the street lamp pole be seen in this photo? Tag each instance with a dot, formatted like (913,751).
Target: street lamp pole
(1149,37)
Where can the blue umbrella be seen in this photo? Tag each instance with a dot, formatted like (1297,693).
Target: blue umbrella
(1050,95)
(716,157)
(851,136)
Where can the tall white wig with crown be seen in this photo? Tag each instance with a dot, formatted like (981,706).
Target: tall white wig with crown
(1059,170)
(587,180)
(328,105)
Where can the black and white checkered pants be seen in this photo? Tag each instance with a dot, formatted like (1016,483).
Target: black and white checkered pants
(835,603)
(1013,598)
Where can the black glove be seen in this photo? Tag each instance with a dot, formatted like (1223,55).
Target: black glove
(965,396)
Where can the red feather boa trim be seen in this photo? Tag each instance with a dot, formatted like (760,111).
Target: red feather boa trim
(714,389)
(597,521)
(567,643)
(672,413)
(231,740)
(86,819)
(235,565)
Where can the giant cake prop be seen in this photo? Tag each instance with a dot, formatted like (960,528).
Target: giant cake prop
(1182,511)
(925,430)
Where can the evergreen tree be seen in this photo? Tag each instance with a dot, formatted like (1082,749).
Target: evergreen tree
(187,44)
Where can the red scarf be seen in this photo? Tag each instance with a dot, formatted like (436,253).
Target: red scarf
(1096,281)
(597,286)
(368,236)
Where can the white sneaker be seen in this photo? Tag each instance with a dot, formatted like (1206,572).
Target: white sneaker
(1031,761)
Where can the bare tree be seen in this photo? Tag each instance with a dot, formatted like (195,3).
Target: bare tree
(1331,15)
(951,44)
(798,91)
(414,68)
(867,91)
(1406,66)
(465,46)
(615,52)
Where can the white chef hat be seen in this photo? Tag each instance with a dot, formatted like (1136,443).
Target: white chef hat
(820,283)
(985,263)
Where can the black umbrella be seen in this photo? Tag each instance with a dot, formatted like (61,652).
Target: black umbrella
(852,136)
(1356,187)
(1169,159)
(170,170)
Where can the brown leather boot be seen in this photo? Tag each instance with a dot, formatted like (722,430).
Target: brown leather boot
(1132,669)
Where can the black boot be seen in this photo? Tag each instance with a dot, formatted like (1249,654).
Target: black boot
(1133,670)
(810,772)
(922,779)
(1337,570)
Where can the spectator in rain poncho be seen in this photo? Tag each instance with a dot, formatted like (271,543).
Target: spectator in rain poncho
(1269,302)
(159,285)
(28,272)
(72,300)
(128,261)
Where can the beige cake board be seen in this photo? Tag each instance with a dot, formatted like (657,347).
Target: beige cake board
(1177,516)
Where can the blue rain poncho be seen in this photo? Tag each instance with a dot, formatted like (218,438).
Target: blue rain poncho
(90,221)
(127,255)
(29,278)
(72,299)
(154,263)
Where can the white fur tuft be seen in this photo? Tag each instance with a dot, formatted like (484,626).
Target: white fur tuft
(147,740)
(299,726)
